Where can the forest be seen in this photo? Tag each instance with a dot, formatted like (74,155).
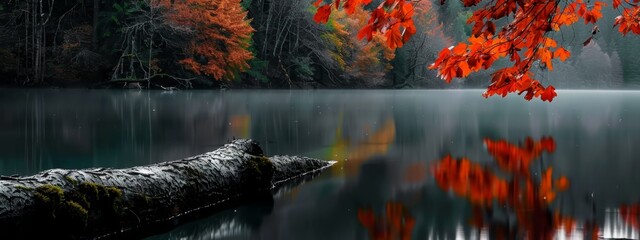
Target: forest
(276,44)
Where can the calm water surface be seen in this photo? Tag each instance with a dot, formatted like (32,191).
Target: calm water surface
(418,164)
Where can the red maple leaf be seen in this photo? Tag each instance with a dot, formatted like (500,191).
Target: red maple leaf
(322,15)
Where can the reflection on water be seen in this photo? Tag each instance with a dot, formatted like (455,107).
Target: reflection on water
(395,223)
(355,153)
(630,214)
(449,162)
(519,193)
(622,223)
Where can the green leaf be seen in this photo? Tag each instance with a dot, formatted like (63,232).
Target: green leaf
(117,7)
(115,19)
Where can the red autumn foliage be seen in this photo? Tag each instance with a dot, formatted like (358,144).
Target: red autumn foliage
(369,61)
(629,21)
(523,39)
(219,47)
(322,15)
(427,16)
(393,18)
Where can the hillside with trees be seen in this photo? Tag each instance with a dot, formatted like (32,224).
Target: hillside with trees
(304,44)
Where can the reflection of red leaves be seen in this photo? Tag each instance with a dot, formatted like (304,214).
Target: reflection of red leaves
(546,191)
(562,184)
(322,15)
(565,222)
(396,224)
(631,215)
(528,198)
(367,218)
(513,158)
(469,180)
(415,173)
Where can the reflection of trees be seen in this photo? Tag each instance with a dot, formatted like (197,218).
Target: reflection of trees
(356,152)
(87,128)
(240,126)
(395,223)
(521,192)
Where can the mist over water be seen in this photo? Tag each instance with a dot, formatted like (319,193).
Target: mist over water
(387,144)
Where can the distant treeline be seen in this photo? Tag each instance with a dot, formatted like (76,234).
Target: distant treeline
(253,43)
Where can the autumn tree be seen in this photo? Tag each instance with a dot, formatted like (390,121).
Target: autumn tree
(365,62)
(524,39)
(220,39)
(208,38)
(421,50)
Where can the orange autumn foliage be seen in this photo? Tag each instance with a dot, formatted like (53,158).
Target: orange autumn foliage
(395,224)
(629,21)
(528,197)
(362,60)
(221,35)
(392,18)
(427,17)
(523,39)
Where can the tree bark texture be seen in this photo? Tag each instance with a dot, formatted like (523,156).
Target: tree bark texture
(93,202)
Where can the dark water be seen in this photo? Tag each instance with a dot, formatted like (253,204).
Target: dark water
(516,169)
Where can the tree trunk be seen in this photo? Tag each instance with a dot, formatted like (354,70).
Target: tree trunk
(94,33)
(94,202)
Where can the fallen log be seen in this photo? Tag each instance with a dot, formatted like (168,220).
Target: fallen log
(94,202)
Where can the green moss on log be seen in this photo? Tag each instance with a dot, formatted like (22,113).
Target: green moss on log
(47,200)
(70,180)
(24,188)
(72,209)
(257,172)
(75,216)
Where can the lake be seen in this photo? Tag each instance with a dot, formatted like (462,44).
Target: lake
(412,164)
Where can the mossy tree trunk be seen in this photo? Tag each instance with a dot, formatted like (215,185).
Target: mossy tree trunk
(92,202)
